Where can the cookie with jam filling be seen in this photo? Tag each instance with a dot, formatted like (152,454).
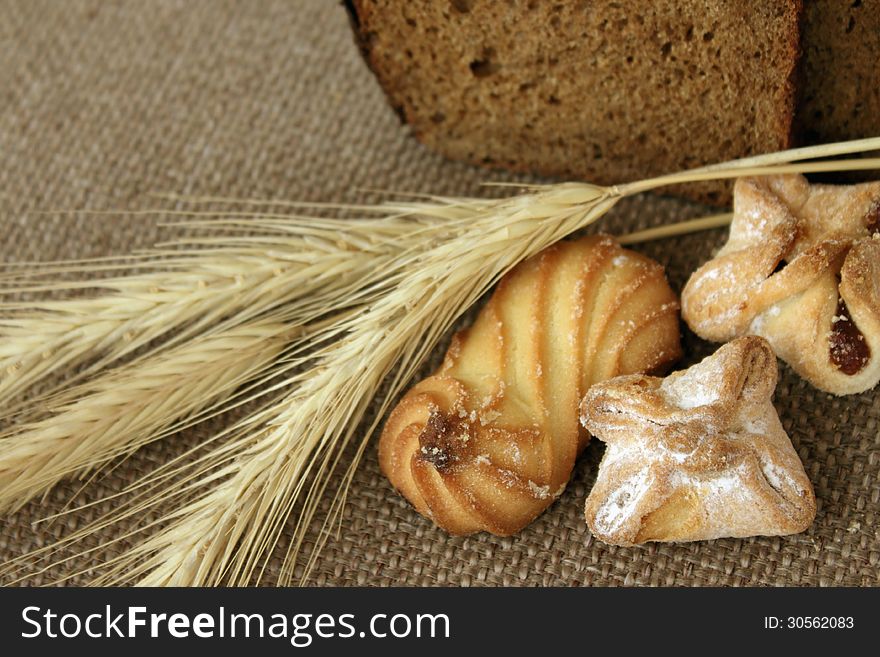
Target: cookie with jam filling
(801,268)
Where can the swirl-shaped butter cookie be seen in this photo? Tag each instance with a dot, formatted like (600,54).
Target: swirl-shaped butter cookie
(490,440)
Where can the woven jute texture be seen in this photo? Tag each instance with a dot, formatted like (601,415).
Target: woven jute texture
(105,103)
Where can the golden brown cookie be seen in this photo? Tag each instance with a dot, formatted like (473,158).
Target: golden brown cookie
(802,269)
(490,440)
(698,455)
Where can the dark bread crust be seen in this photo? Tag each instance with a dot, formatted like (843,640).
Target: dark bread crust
(592,90)
(355,9)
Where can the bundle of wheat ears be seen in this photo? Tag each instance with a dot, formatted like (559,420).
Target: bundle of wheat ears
(319,317)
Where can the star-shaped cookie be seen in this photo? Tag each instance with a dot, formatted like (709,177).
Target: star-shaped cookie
(698,455)
(801,268)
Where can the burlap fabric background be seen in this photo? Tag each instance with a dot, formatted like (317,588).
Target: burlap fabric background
(104,102)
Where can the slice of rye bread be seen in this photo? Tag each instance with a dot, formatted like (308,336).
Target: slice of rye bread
(593,90)
(840,79)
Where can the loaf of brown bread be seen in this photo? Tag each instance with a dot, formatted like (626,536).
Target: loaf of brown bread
(840,79)
(611,91)
(598,90)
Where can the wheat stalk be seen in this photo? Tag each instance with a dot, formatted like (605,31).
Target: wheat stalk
(676,229)
(229,509)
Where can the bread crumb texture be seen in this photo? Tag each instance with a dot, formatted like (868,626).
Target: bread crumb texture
(841,74)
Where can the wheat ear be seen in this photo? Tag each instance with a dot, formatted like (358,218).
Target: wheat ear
(224,282)
(131,405)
